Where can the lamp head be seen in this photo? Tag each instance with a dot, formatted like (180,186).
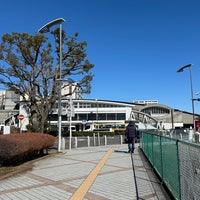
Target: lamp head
(182,68)
(46,27)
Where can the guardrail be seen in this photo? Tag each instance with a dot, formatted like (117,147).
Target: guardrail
(176,162)
(87,141)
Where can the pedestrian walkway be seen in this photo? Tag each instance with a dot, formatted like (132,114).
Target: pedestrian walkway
(92,173)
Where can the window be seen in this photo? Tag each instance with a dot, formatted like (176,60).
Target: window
(111,116)
(102,116)
(82,117)
(121,116)
(156,110)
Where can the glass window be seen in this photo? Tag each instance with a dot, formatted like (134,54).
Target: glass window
(64,117)
(121,116)
(75,105)
(75,117)
(82,117)
(91,116)
(101,116)
(111,116)
(156,110)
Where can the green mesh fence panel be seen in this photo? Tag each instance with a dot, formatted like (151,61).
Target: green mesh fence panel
(176,162)
(170,165)
(150,147)
(162,152)
(144,142)
(189,170)
(157,154)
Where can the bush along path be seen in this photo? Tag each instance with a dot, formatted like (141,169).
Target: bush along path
(19,148)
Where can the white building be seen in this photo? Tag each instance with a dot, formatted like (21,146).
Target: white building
(73,89)
(147,113)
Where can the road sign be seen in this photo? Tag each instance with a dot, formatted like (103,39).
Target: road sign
(197,125)
(84,121)
(20,117)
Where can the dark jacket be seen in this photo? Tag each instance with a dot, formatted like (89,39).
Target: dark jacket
(131,131)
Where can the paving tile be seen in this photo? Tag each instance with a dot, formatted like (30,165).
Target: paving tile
(59,176)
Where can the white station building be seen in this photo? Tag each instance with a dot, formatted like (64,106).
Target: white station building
(89,114)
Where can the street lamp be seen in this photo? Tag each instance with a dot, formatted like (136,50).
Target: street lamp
(70,81)
(45,29)
(191,88)
(97,114)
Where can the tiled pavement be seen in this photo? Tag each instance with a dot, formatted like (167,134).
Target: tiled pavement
(58,176)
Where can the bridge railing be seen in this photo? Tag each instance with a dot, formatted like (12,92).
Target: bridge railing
(176,162)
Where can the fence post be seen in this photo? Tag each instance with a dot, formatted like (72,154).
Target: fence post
(88,141)
(179,176)
(76,142)
(161,158)
(63,143)
(94,139)
(121,139)
(98,139)
(105,139)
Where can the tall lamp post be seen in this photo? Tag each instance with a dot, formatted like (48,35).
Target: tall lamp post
(70,114)
(45,29)
(191,88)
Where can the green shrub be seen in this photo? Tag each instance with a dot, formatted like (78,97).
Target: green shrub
(17,148)
(66,133)
(87,133)
(120,132)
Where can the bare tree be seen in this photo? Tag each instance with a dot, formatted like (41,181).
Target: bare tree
(29,65)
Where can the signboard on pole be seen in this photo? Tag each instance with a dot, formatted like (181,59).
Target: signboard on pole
(20,117)
(84,121)
(197,125)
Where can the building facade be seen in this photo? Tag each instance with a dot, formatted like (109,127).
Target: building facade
(104,113)
(88,114)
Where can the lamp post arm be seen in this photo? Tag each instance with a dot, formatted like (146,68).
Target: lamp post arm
(182,68)
(46,27)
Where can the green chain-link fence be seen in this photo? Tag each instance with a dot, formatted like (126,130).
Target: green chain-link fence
(176,162)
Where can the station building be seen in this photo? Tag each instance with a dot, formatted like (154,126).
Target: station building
(88,114)
(85,113)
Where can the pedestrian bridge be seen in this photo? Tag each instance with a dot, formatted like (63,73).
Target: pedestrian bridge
(143,120)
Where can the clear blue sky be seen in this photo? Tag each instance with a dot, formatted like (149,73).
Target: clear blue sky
(136,45)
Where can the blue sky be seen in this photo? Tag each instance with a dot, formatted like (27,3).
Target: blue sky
(136,45)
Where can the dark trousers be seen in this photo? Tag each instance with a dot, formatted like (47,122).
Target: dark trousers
(131,144)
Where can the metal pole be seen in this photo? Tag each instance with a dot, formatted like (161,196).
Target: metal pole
(172,117)
(45,29)
(97,113)
(60,94)
(191,88)
(70,119)
(192,97)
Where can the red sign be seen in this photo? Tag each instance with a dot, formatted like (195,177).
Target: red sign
(197,125)
(20,117)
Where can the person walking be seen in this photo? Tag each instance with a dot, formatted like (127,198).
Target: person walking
(130,135)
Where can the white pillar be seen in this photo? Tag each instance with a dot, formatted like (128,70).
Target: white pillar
(76,142)
(63,144)
(88,140)
(105,139)
(191,133)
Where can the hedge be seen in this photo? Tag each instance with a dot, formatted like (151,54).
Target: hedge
(17,148)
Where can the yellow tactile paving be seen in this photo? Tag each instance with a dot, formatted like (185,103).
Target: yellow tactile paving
(84,187)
